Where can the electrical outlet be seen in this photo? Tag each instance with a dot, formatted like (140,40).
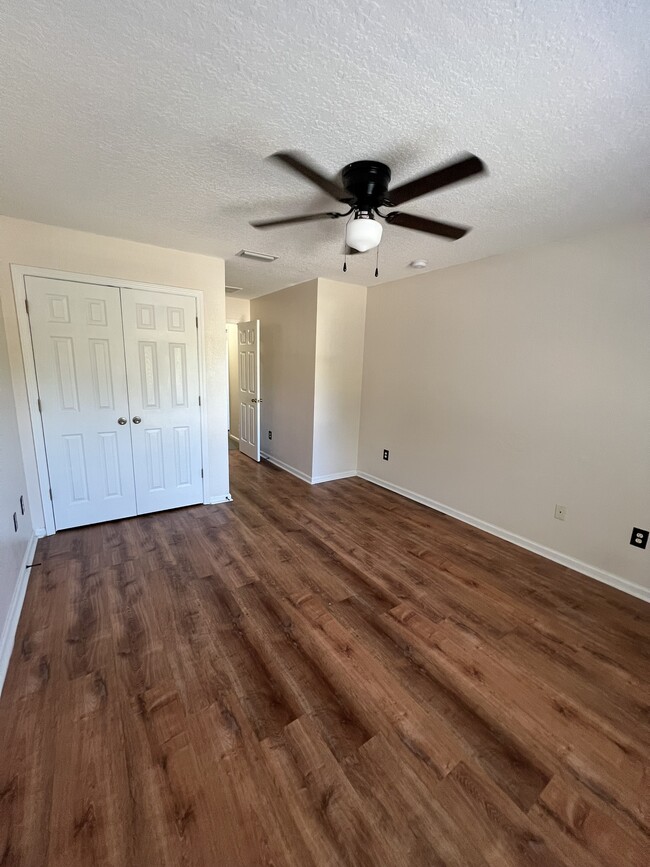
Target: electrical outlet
(560,513)
(386,453)
(15,523)
(22,505)
(270,434)
(639,538)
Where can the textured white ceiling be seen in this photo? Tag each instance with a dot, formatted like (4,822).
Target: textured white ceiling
(149,120)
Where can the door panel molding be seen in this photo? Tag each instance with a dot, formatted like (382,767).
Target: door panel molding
(162,372)
(27,377)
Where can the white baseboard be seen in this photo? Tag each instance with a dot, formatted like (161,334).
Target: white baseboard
(332,477)
(294,472)
(15,607)
(311,480)
(585,568)
(233,438)
(220,498)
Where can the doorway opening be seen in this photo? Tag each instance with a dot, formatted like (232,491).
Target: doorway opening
(244,398)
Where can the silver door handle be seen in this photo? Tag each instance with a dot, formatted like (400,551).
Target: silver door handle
(256,400)
(121,420)
(136,419)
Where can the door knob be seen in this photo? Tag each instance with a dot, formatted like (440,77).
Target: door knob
(256,400)
(136,419)
(121,420)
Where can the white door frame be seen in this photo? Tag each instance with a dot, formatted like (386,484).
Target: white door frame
(18,275)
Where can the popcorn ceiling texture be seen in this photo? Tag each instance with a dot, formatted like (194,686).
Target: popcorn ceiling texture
(149,120)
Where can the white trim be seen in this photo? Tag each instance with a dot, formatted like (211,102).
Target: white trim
(18,275)
(15,607)
(311,480)
(294,472)
(233,438)
(220,498)
(346,474)
(550,554)
(20,294)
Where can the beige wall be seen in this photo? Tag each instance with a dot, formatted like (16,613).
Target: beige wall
(339,361)
(237,309)
(13,546)
(35,244)
(288,355)
(312,357)
(508,385)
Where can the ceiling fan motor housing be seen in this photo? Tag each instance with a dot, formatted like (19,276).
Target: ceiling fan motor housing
(367,182)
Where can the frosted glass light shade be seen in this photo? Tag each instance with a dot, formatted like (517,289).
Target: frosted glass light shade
(363,233)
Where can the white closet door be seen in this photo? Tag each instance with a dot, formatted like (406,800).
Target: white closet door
(161,348)
(78,351)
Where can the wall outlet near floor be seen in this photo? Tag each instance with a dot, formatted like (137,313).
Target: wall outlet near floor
(385,455)
(639,538)
(270,434)
(560,513)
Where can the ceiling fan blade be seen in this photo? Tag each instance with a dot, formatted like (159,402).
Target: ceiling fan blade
(286,221)
(299,163)
(423,224)
(435,180)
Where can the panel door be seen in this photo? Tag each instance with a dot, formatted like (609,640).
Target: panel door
(79,357)
(248,353)
(161,347)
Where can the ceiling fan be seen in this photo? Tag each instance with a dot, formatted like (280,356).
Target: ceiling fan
(365,190)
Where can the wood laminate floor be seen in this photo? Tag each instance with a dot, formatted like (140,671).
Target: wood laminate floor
(326,675)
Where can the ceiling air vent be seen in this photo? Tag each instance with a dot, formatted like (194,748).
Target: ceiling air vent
(260,257)
(230,290)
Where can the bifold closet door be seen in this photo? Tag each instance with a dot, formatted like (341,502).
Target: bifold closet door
(161,349)
(79,358)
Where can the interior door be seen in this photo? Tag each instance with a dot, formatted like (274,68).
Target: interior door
(161,348)
(248,346)
(79,358)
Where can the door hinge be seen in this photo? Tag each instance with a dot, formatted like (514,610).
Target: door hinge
(201,472)
(199,400)
(40,406)
(50,493)
(27,306)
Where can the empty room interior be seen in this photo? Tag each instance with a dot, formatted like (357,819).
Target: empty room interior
(324,433)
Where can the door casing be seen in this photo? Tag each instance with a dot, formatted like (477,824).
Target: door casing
(18,274)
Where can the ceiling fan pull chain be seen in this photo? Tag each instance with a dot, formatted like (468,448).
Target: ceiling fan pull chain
(377,264)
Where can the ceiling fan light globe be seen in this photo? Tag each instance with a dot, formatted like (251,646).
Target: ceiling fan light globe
(363,233)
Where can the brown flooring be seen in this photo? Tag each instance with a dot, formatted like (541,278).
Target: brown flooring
(326,675)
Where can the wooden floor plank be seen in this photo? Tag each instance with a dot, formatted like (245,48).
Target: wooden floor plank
(320,675)
(583,825)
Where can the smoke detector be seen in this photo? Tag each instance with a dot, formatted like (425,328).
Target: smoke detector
(418,263)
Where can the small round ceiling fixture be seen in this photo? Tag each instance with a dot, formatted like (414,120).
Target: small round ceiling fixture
(418,263)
